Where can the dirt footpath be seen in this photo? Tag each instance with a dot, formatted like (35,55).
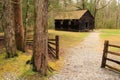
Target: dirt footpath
(83,62)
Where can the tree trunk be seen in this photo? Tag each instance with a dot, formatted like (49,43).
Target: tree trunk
(26,23)
(40,49)
(83,4)
(96,9)
(8,29)
(95,12)
(19,31)
(117,20)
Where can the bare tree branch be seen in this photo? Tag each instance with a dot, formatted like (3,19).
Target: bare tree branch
(97,2)
(104,5)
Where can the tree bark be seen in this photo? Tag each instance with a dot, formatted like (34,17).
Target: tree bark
(19,31)
(40,49)
(8,29)
(95,12)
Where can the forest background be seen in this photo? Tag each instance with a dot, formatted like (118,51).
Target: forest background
(105,12)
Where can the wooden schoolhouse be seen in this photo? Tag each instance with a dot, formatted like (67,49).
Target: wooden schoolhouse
(81,20)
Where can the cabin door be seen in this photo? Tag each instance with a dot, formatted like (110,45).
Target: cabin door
(86,25)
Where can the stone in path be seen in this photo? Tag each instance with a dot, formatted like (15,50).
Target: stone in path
(83,62)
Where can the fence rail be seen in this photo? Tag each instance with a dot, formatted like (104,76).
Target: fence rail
(53,46)
(114,45)
(106,52)
(54,50)
(1,38)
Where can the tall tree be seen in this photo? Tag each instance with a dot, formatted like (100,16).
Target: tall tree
(40,49)
(9,35)
(19,31)
(83,4)
(97,6)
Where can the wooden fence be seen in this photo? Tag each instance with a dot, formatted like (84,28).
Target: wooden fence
(53,46)
(1,38)
(106,52)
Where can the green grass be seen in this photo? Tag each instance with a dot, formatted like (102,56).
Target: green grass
(107,33)
(113,35)
(68,39)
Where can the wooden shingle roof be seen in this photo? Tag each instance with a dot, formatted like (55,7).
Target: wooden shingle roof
(71,14)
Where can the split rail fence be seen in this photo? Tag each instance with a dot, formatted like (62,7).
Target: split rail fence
(106,52)
(53,46)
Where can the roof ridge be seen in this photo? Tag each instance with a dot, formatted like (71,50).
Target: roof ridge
(71,14)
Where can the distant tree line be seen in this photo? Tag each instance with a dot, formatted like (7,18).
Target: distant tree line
(106,12)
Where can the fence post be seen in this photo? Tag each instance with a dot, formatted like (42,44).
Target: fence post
(106,44)
(57,46)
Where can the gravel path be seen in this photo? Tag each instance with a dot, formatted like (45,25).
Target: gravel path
(83,62)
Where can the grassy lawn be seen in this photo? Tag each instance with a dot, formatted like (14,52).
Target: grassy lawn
(68,39)
(113,35)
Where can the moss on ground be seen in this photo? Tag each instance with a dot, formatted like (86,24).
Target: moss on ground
(15,66)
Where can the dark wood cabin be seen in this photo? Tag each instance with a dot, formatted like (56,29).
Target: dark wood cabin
(81,20)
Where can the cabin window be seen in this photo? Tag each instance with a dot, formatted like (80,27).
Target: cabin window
(69,22)
(61,22)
